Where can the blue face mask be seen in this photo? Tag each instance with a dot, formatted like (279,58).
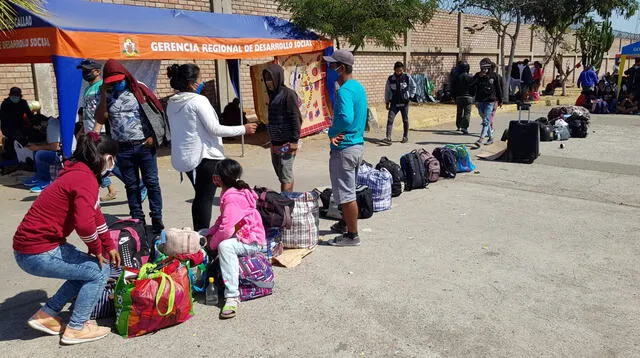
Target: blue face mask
(200,88)
(332,75)
(14,99)
(120,86)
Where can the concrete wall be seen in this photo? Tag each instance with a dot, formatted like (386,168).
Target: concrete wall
(432,49)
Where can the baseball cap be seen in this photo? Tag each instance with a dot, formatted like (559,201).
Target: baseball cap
(341,56)
(116,77)
(15,91)
(89,64)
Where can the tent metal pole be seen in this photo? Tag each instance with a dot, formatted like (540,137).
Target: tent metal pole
(241,104)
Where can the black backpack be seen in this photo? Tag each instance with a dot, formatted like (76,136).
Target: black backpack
(365,202)
(578,126)
(414,172)
(396,174)
(448,161)
(274,208)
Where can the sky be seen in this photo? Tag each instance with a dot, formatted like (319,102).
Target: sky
(631,25)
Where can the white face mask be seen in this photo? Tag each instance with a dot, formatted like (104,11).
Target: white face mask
(109,164)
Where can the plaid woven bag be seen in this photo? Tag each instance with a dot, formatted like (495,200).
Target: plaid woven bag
(305,219)
(380,183)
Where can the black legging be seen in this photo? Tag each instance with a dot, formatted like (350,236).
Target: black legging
(205,191)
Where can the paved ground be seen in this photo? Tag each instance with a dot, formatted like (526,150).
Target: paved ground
(513,261)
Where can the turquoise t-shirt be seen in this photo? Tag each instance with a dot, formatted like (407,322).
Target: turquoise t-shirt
(90,100)
(349,114)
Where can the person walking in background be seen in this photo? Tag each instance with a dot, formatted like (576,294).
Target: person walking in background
(283,126)
(121,97)
(487,90)
(538,74)
(588,79)
(462,86)
(398,91)
(514,78)
(41,249)
(496,104)
(196,146)
(346,137)
(527,80)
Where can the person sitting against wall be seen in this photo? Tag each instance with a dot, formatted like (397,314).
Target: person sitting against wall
(628,105)
(46,155)
(13,112)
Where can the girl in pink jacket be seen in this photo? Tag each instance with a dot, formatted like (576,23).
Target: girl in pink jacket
(238,230)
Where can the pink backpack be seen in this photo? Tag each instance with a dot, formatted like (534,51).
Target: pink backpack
(431,165)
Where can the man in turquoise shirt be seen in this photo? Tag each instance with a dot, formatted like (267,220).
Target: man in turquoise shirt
(347,139)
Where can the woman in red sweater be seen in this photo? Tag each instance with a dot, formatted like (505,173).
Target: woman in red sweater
(40,243)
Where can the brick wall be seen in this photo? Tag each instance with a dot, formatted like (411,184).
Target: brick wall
(441,31)
(475,34)
(436,66)
(18,75)
(372,70)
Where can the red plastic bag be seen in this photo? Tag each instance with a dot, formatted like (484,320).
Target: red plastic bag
(159,297)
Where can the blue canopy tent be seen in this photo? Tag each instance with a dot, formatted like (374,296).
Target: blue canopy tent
(71,30)
(629,51)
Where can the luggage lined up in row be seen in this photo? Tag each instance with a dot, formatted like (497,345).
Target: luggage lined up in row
(524,136)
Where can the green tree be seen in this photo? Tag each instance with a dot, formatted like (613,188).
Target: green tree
(503,13)
(8,14)
(595,40)
(556,18)
(359,21)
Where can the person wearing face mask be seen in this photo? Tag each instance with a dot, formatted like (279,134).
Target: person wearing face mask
(41,249)
(121,103)
(15,117)
(45,156)
(196,145)
(487,89)
(346,137)
(284,125)
(92,74)
(398,91)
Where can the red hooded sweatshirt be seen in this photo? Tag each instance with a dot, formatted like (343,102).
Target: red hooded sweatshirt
(70,203)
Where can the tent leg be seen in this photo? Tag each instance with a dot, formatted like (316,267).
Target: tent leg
(623,59)
(241,105)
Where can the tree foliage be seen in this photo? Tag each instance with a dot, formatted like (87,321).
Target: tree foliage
(359,21)
(8,14)
(595,40)
(504,13)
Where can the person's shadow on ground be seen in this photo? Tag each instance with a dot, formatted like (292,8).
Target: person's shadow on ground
(15,311)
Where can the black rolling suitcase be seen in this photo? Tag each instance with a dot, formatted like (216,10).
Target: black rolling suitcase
(523,144)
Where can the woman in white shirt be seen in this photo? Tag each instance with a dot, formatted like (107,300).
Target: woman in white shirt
(196,138)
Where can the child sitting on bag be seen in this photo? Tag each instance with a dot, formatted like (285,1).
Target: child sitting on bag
(238,231)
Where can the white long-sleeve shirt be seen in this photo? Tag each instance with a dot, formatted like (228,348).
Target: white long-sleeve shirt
(196,132)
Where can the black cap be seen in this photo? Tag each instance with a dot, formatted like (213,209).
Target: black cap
(15,91)
(89,64)
(398,65)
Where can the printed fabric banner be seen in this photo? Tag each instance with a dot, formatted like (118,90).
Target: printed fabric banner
(305,73)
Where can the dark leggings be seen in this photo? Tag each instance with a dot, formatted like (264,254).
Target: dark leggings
(205,191)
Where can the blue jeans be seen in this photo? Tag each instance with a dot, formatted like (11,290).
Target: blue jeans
(106,182)
(85,280)
(134,160)
(44,159)
(486,110)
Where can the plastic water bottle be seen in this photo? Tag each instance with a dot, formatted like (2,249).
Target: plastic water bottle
(211,295)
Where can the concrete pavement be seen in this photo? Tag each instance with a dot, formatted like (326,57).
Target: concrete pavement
(513,261)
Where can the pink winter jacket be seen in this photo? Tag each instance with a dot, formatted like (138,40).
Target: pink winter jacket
(238,217)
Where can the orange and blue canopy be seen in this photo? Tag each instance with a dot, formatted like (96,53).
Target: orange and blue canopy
(70,30)
(101,31)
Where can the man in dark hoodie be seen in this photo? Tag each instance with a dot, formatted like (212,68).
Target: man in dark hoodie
(14,114)
(462,83)
(284,125)
(488,91)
